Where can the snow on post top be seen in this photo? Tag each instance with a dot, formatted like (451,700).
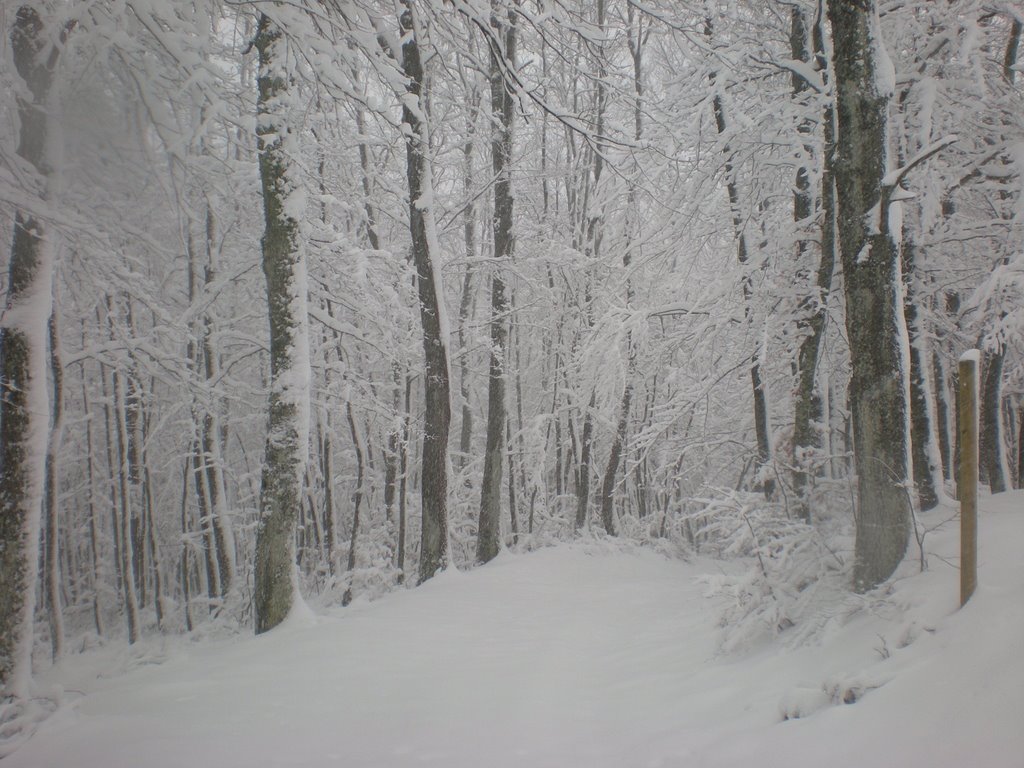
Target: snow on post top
(971,355)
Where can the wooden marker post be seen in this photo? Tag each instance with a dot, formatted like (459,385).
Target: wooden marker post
(967,482)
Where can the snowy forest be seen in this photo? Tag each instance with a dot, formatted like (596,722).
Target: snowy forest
(311,301)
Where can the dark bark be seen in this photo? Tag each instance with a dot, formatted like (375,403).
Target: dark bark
(94,537)
(184,566)
(502,111)
(608,485)
(275,587)
(920,420)
(760,400)
(153,545)
(873,302)
(466,302)
(583,469)
(513,508)
(991,438)
(357,498)
(436,385)
(591,218)
(51,491)
(403,467)
(636,48)
(807,409)
(24,406)
(210,434)
(941,389)
(128,584)
(1020,448)
(992,450)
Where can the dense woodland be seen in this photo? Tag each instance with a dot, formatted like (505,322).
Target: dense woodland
(317,298)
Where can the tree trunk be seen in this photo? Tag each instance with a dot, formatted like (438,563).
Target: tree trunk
(426,258)
(52,490)
(1020,448)
(24,406)
(513,506)
(94,536)
(502,111)
(357,498)
(608,486)
(154,546)
(874,311)
(760,399)
(808,409)
(992,448)
(941,390)
(991,445)
(275,581)
(466,301)
(403,468)
(131,600)
(185,566)
(211,444)
(921,440)
(583,472)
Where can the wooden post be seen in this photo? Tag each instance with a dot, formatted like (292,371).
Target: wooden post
(967,481)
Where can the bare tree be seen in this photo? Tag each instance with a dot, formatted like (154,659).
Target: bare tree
(874,311)
(503,114)
(275,585)
(25,404)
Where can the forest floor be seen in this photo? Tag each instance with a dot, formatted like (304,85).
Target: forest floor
(594,654)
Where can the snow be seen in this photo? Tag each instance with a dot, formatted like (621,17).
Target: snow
(29,317)
(885,71)
(903,339)
(971,356)
(896,221)
(593,654)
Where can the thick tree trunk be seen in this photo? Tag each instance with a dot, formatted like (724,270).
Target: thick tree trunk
(275,583)
(992,448)
(874,311)
(502,111)
(426,258)
(24,405)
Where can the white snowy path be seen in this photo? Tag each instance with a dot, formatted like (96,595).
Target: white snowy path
(575,656)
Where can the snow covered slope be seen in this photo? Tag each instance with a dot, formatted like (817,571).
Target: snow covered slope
(582,655)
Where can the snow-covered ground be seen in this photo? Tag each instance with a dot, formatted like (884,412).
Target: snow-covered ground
(584,655)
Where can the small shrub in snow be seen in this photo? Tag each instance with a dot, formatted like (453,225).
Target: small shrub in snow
(793,577)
